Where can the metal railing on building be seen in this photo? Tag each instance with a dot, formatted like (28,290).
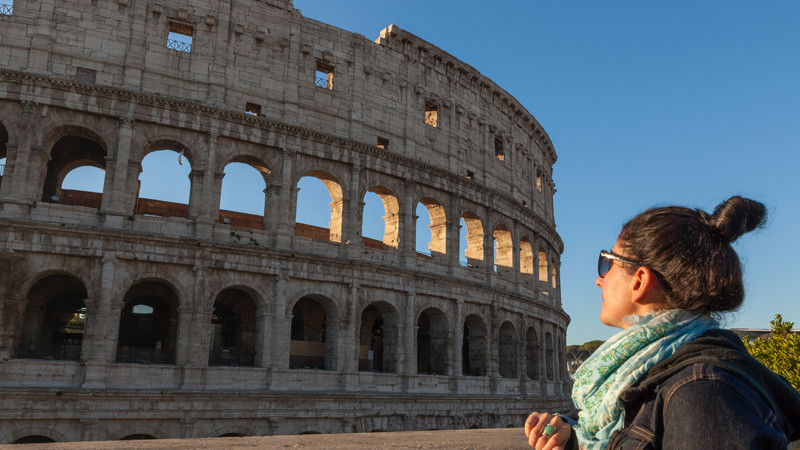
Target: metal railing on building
(7,9)
(324,82)
(179,46)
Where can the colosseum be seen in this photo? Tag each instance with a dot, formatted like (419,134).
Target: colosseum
(126,317)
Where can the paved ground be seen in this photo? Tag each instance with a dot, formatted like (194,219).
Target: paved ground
(499,438)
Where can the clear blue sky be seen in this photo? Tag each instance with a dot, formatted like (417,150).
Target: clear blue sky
(647,104)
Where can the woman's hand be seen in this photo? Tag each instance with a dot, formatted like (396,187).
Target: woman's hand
(534,427)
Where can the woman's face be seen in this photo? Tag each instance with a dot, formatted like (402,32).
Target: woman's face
(616,287)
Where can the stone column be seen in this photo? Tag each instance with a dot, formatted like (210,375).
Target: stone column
(488,250)
(205,210)
(515,245)
(280,339)
(287,205)
(408,238)
(114,190)
(453,239)
(458,339)
(409,338)
(102,325)
(11,321)
(264,324)
(348,347)
(352,212)
(22,176)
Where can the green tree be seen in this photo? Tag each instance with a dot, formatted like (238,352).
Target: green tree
(780,350)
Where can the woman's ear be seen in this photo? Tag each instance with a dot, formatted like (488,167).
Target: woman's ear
(646,290)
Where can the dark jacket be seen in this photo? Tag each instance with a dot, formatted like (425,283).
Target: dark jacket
(710,394)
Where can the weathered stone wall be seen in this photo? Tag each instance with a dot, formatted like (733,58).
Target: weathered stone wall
(96,84)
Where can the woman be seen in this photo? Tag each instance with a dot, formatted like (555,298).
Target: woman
(671,378)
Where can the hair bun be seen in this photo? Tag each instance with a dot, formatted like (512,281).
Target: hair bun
(735,217)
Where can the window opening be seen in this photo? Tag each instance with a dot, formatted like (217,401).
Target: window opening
(79,163)
(243,197)
(508,351)
(324,76)
(474,346)
(315,218)
(180,36)
(234,330)
(253,109)
(498,148)
(309,344)
(538,182)
(164,184)
(470,174)
(148,325)
(383,143)
(432,113)
(7,8)
(503,251)
(432,342)
(549,355)
(472,230)
(431,241)
(532,354)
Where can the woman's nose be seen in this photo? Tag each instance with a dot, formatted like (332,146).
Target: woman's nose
(599,282)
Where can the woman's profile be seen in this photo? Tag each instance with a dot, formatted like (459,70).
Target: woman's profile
(672,378)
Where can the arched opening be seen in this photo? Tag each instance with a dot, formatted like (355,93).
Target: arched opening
(503,251)
(507,351)
(233,330)
(380,225)
(432,342)
(85,188)
(434,244)
(54,319)
(473,229)
(549,354)
(474,347)
(379,338)
(543,270)
(315,189)
(553,275)
(164,184)
(532,354)
(137,437)
(526,260)
(148,327)
(243,194)
(34,439)
(313,335)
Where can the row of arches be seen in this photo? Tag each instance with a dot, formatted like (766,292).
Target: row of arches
(57,319)
(241,192)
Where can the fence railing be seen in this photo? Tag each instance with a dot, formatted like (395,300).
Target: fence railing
(6,9)
(324,82)
(179,46)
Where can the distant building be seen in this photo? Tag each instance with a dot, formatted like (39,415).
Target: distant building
(124,317)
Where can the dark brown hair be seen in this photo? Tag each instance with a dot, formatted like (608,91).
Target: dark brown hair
(690,251)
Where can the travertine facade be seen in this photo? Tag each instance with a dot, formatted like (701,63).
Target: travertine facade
(126,317)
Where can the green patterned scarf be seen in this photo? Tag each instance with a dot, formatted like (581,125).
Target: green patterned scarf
(620,362)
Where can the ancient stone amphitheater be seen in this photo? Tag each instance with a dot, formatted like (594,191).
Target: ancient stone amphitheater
(125,317)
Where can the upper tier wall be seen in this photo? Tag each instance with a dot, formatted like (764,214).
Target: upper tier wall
(266,54)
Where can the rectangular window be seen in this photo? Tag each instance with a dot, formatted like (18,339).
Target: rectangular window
(85,75)
(383,143)
(324,76)
(252,109)
(498,148)
(539,183)
(6,7)
(432,113)
(180,36)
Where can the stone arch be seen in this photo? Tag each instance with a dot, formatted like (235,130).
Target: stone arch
(334,231)
(69,148)
(554,274)
(475,346)
(22,433)
(438,225)
(391,218)
(379,338)
(148,329)
(252,217)
(234,329)
(314,332)
(161,207)
(507,350)
(542,258)
(432,342)
(474,236)
(526,260)
(231,431)
(134,430)
(549,355)
(54,319)
(503,250)
(532,351)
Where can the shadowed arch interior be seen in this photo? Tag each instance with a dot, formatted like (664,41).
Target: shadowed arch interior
(233,323)
(149,325)
(507,351)
(474,347)
(68,153)
(432,342)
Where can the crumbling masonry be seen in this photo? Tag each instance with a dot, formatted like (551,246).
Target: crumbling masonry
(128,317)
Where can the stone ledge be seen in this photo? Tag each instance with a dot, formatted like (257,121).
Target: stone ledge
(496,438)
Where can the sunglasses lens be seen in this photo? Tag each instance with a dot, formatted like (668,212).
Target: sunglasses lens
(603,266)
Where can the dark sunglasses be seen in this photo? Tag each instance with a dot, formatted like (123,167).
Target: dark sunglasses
(606,260)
